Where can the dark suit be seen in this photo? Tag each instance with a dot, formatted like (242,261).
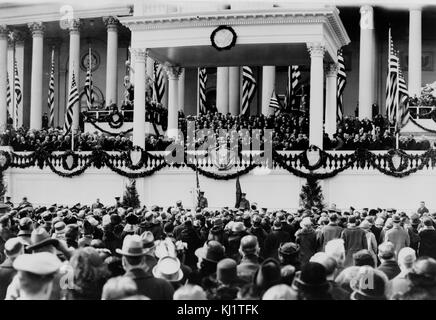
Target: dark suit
(427,245)
(390,268)
(202,203)
(273,241)
(244,204)
(7,272)
(151,287)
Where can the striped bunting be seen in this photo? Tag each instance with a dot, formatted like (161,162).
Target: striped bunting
(248,88)
(159,82)
(88,85)
(73,98)
(18,93)
(202,80)
(341,82)
(51,92)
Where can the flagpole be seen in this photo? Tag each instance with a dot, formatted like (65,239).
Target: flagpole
(72,128)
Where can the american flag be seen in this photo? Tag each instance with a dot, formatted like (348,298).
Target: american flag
(73,97)
(18,94)
(341,82)
(274,103)
(159,82)
(403,102)
(89,92)
(392,82)
(51,92)
(202,80)
(248,88)
(292,86)
(8,95)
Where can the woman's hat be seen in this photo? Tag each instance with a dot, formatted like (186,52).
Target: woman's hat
(268,274)
(168,268)
(212,251)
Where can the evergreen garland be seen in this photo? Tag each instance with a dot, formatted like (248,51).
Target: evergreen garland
(311,195)
(131,197)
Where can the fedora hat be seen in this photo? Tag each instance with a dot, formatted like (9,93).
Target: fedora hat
(168,268)
(147,238)
(132,246)
(212,251)
(40,238)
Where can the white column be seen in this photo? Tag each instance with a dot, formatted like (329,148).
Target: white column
(415,48)
(139,57)
(173,73)
(37,29)
(74,61)
(316,94)
(181,97)
(149,71)
(111,60)
(3,68)
(331,99)
(19,57)
(366,62)
(222,89)
(268,84)
(234,90)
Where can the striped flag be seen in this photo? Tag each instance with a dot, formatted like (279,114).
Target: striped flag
(341,82)
(274,103)
(248,88)
(403,102)
(51,92)
(159,82)
(238,192)
(18,93)
(73,97)
(89,92)
(392,82)
(202,80)
(8,95)
(292,86)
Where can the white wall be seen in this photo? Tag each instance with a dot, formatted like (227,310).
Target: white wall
(278,189)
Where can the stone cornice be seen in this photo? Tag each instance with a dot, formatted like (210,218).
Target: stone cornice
(328,16)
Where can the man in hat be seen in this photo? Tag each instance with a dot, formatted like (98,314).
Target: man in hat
(289,255)
(354,240)
(397,235)
(25,228)
(24,203)
(8,202)
(257,231)
(387,256)
(401,283)
(13,248)
(274,239)
(412,229)
(202,201)
(118,203)
(244,203)
(329,232)
(36,274)
(422,208)
(179,205)
(5,234)
(250,261)
(133,260)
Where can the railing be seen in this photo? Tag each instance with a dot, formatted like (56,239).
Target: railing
(101,115)
(421,112)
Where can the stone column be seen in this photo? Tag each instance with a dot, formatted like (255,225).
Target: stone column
(331,99)
(139,56)
(222,89)
(3,67)
(415,51)
(111,60)
(173,73)
(366,62)
(74,66)
(268,84)
(181,90)
(316,94)
(234,90)
(19,57)
(37,29)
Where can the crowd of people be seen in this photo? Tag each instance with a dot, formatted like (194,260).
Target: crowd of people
(119,252)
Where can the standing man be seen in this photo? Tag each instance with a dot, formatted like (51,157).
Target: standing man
(422,208)
(244,203)
(397,235)
(354,240)
(118,203)
(202,201)
(97,205)
(427,236)
(8,202)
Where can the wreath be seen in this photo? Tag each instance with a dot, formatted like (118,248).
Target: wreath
(128,160)
(5,160)
(305,161)
(66,156)
(115,119)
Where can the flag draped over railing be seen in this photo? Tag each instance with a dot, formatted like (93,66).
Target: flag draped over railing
(51,92)
(159,82)
(202,80)
(293,85)
(73,97)
(89,90)
(341,82)
(248,88)
(18,93)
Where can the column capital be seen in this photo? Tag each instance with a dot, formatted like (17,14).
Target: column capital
(173,72)
(111,23)
(4,31)
(316,49)
(331,70)
(366,17)
(139,54)
(19,36)
(37,28)
(74,26)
